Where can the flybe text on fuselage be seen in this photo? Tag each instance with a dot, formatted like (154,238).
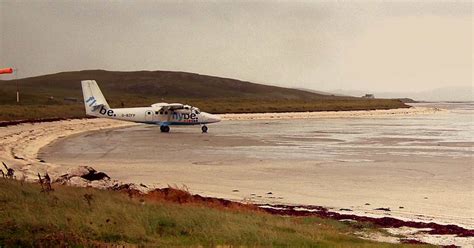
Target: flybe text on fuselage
(188,117)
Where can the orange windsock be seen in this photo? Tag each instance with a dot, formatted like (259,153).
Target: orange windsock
(6,70)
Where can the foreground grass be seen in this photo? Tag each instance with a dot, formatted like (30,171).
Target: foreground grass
(65,218)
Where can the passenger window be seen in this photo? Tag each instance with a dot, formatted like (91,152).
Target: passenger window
(156,112)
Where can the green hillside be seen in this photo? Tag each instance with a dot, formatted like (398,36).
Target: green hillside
(44,96)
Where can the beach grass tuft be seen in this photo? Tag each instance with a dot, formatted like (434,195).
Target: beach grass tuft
(70,216)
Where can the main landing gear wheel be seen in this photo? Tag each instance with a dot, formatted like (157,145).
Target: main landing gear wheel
(204,129)
(164,129)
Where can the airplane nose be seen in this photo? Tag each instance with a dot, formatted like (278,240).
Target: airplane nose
(212,118)
(216,118)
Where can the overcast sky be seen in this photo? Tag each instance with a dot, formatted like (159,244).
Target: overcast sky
(376,45)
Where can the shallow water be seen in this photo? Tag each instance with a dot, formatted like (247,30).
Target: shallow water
(445,134)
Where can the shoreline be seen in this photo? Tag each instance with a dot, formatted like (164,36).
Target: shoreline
(76,125)
(271,115)
(21,143)
(334,114)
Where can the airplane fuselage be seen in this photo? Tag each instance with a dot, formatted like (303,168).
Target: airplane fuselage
(157,116)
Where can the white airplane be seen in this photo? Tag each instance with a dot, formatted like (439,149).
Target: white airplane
(163,114)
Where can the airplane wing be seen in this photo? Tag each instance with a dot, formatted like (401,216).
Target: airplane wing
(168,106)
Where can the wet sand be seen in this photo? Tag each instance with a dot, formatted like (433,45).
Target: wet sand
(418,188)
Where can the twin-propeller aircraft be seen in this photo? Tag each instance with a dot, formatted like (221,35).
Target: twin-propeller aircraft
(163,114)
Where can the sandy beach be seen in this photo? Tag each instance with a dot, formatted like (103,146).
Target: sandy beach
(261,167)
(334,114)
(19,144)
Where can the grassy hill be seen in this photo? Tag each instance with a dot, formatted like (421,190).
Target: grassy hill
(44,96)
(78,217)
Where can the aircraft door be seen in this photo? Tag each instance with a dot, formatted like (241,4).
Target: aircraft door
(149,115)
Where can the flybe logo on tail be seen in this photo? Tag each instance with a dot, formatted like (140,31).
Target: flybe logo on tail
(91,101)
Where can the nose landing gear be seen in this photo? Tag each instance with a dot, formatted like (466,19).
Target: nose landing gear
(164,129)
(204,129)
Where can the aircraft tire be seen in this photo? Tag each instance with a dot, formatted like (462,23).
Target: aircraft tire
(164,129)
(204,129)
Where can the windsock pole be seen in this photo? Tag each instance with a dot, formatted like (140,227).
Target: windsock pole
(15,72)
(17,92)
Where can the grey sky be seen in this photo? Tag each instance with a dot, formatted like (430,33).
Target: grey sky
(382,46)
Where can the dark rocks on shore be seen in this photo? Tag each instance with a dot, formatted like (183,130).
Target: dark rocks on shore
(383,209)
(305,210)
(94,175)
(16,157)
(83,172)
(345,209)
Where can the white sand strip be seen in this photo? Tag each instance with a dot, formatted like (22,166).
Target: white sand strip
(333,114)
(19,144)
